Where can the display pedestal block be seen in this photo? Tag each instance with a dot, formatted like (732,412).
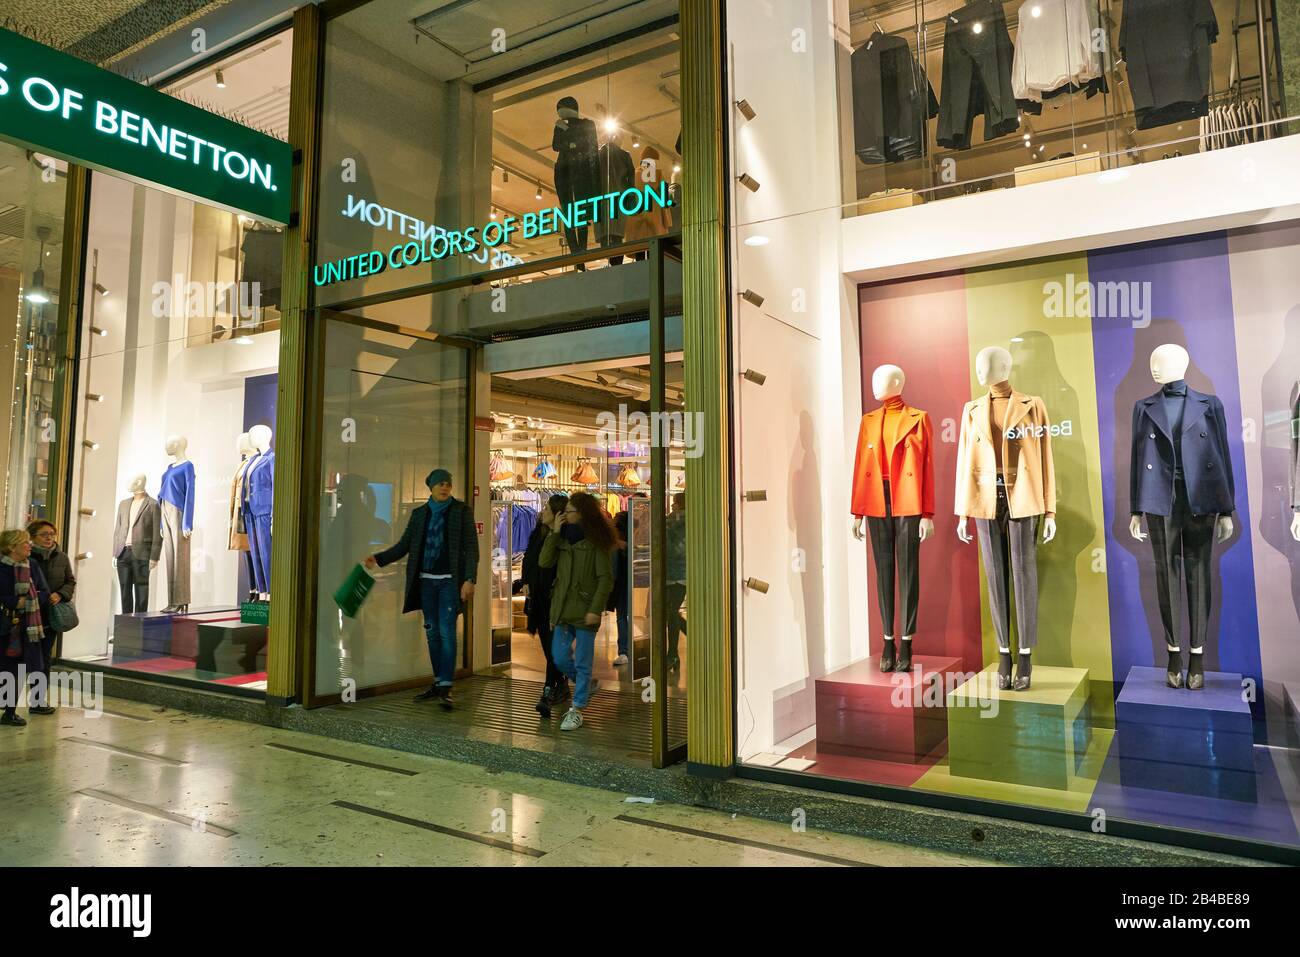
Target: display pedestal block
(185,631)
(1191,742)
(231,647)
(145,635)
(1037,737)
(862,712)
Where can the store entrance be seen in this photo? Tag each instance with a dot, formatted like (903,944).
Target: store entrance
(578,428)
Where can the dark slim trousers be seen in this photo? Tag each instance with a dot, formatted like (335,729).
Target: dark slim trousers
(896,549)
(1009,549)
(545,634)
(572,185)
(674,595)
(1182,543)
(133,576)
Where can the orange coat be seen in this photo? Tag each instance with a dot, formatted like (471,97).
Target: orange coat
(909,466)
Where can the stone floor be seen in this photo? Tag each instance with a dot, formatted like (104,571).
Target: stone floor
(142,785)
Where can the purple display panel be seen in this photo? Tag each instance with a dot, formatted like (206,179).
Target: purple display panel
(1186,298)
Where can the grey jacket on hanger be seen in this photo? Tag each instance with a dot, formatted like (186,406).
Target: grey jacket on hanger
(144,537)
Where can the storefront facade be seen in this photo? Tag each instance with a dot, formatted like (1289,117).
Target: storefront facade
(795,235)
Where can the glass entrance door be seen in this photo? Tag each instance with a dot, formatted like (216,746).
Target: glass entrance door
(394,406)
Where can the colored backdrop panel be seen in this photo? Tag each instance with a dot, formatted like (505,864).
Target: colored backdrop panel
(920,326)
(1187,287)
(1266,308)
(1027,309)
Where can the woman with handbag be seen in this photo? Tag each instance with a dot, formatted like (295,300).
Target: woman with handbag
(57,568)
(24,595)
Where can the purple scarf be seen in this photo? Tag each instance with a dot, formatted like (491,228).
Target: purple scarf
(29,603)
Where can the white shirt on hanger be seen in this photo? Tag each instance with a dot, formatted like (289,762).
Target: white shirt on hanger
(1054,47)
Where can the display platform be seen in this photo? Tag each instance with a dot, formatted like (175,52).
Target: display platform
(1036,738)
(153,633)
(231,647)
(185,631)
(885,716)
(1190,742)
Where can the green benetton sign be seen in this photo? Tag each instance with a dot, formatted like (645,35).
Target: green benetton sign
(57,104)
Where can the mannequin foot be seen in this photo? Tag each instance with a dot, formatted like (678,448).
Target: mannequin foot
(1174,670)
(1195,672)
(1004,670)
(904,655)
(887,660)
(1023,671)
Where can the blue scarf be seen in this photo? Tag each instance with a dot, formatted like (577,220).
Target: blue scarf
(435,537)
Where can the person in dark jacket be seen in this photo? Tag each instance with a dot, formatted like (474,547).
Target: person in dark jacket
(579,548)
(56,566)
(441,547)
(620,599)
(537,584)
(24,598)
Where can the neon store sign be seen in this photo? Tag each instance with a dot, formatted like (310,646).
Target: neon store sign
(57,104)
(432,244)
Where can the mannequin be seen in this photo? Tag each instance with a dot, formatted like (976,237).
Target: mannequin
(576,167)
(1006,481)
(1181,480)
(617,173)
(137,543)
(893,487)
(259,490)
(238,529)
(176,499)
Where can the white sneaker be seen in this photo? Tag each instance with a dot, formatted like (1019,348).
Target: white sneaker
(620,660)
(572,720)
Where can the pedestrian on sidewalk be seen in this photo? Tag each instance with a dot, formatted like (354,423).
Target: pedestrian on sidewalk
(538,583)
(441,547)
(24,596)
(579,548)
(56,566)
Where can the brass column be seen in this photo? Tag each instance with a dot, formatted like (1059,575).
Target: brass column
(711,709)
(293,556)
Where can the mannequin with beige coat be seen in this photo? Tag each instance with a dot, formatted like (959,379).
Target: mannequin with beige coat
(1006,481)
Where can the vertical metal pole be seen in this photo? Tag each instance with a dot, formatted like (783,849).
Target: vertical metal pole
(85,410)
(1264,79)
(658,513)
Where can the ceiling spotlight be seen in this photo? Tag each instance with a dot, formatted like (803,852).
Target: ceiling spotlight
(94,397)
(677,167)
(88,512)
(99,288)
(221,80)
(746,110)
(1036,10)
(244,340)
(38,294)
(93,446)
(84,556)
(611,125)
(505,175)
(978,27)
(748,182)
(753,298)
(494,212)
(539,191)
(96,331)
(636,141)
(757,240)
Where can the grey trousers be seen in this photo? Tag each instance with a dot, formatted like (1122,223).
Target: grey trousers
(896,544)
(1182,543)
(1009,548)
(176,556)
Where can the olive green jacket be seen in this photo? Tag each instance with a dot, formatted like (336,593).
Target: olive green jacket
(584,577)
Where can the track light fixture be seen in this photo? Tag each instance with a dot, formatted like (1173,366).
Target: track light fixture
(93,446)
(99,288)
(753,298)
(94,397)
(748,182)
(97,331)
(746,110)
(221,80)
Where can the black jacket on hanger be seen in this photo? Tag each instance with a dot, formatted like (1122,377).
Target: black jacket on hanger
(1166,44)
(892,99)
(976,75)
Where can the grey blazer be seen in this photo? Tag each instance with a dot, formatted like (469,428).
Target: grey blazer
(144,538)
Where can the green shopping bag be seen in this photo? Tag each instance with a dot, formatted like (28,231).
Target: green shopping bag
(354,590)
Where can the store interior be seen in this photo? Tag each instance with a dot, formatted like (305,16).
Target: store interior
(1084,124)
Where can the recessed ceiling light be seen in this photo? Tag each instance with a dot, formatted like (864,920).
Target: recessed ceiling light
(757,240)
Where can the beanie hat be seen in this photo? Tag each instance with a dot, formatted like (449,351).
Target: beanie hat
(437,477)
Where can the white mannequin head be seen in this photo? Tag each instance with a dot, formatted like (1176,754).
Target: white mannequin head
(176,446)
(887,382)
(1169,363)
(245,444)
(260,435)
(137,484)
(993,365)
